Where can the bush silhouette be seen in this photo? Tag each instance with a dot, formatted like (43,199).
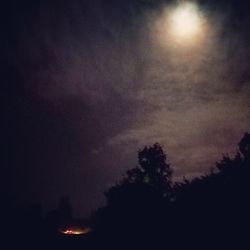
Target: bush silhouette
(147,206)
(135,206)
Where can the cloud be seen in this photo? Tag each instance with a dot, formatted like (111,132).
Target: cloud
(193,100)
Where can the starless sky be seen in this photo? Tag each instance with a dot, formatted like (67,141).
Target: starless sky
(85,84)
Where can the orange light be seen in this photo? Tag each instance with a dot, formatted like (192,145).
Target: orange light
(75,231)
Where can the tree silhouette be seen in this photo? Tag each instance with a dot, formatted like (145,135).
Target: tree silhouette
(217,204)
(244,146)
(146,208)
(212,209)
(136,205)
(153,176)
(152,170)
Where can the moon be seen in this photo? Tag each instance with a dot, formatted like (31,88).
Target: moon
(185,21)
(183,24)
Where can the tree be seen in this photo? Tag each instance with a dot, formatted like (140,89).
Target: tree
(141,197)
(153,170)
(244,146)
(146,206)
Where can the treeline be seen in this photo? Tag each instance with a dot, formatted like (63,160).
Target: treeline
(147,208)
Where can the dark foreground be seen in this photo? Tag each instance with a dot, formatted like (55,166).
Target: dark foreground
(147,210)
(193,238)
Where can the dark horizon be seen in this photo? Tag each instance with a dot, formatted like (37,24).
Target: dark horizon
(86,84)
(147,208)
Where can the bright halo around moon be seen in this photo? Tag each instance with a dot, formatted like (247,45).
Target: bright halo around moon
(185,21)
(182,24)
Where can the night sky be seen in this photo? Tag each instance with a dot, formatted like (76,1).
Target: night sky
(85,84)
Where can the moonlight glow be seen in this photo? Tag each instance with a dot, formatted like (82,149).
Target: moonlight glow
(185,21)
(182,24)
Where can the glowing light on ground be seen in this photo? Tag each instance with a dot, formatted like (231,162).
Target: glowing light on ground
(75,230)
